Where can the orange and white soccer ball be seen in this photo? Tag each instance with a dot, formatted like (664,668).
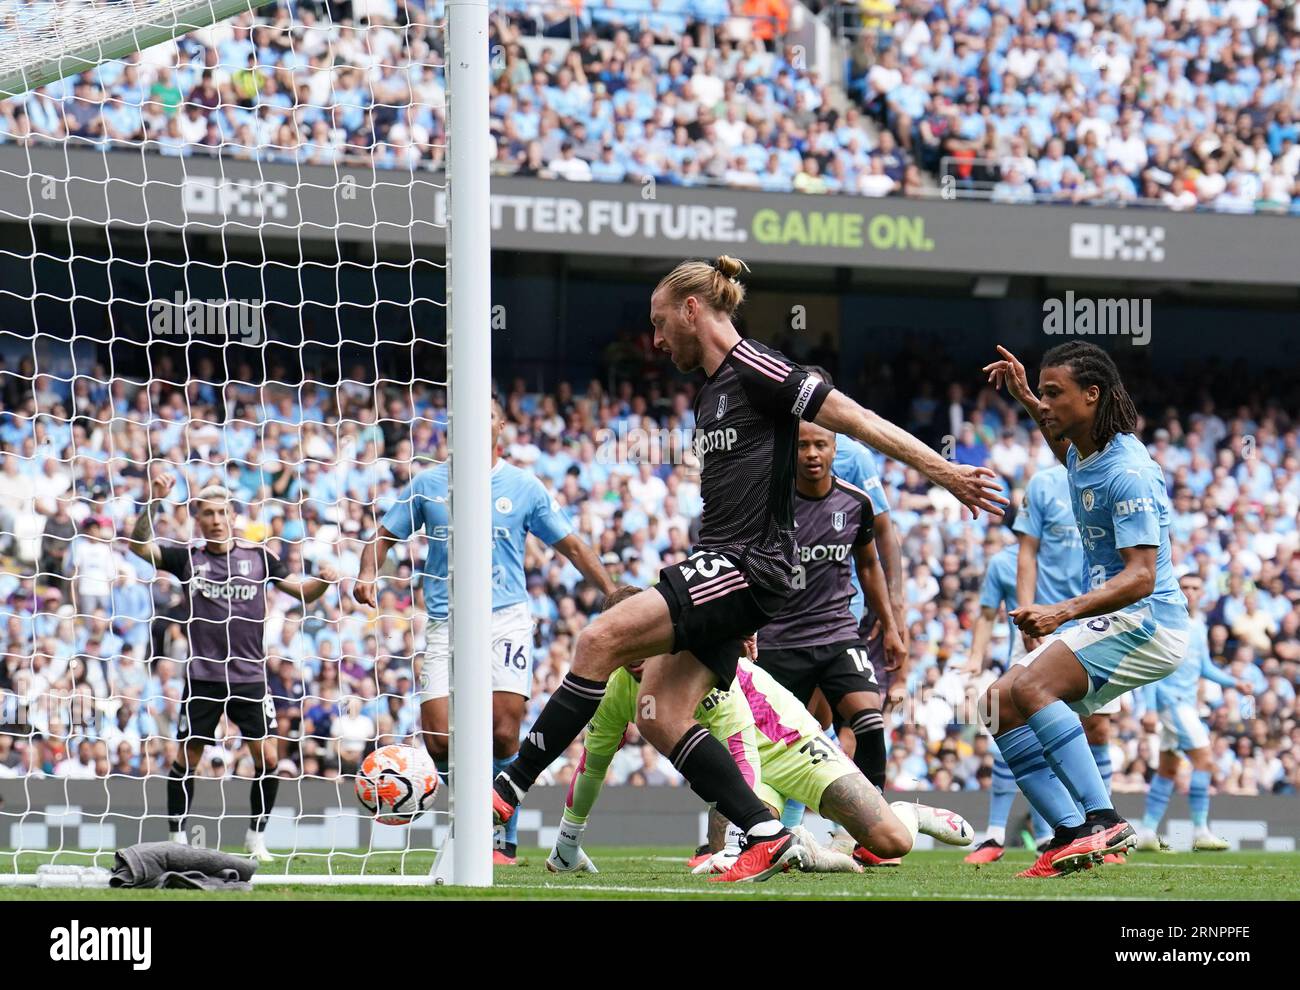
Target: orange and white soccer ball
(397,784)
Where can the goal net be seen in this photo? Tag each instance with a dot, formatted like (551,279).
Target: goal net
(223,262)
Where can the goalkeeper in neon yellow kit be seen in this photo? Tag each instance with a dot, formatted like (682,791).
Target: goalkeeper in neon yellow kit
(781,752)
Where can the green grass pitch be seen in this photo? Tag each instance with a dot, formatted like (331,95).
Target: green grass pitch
(660,874)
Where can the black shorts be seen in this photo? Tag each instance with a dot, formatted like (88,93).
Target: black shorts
(875,650)
(838,669)
(249,706)
(713,608)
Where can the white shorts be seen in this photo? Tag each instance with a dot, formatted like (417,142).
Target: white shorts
(511,658)
(1181,730)
(1120,652)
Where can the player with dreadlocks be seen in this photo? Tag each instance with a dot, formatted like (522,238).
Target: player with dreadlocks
(1133,626)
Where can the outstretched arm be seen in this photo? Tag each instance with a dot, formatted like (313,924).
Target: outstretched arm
(1027,577)
(981,636)
(372,557)
(891,559)
(1010,372)
(975,487)
(306,589)
(586,561)
(872,578)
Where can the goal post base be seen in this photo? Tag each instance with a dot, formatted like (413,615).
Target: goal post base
(443,870)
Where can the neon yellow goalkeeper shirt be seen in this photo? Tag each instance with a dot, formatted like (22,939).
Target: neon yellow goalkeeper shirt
(724,713)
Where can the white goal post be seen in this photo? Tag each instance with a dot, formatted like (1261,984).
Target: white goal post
(215,214)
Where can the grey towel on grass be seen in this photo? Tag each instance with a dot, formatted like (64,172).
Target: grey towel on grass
(170,864)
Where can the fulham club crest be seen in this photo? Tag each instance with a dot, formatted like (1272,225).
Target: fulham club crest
(245,567)
(837,521)
(722,405)
(1088,500)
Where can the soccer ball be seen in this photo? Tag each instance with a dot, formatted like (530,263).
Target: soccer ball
(397,784)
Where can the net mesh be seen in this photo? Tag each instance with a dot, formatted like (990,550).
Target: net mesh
(42,41)
(196,284)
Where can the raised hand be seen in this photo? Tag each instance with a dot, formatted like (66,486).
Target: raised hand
(363,590)
(977,488)
(1010,372)
(160,484)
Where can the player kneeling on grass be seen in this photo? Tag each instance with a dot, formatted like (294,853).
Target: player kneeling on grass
(781,752)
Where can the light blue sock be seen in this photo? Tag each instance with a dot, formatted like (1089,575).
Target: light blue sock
(1066,749)
(1198,796)
(1040,826)
(792,813)
(1101,755)
(1024,755)
(1157,801)
(512,826)
(1002,794)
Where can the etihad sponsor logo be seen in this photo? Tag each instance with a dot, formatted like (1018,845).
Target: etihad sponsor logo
(1116,242)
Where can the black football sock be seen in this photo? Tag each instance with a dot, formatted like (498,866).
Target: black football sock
(180,796)
(714,776)
(571,707)
(265,788)
(868,728)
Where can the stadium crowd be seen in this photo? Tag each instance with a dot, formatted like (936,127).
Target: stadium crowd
(1189,104)
(93,643)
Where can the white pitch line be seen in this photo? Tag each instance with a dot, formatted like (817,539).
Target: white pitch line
(809,894)
(1201,866)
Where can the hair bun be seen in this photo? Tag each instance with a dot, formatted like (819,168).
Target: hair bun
(729,267)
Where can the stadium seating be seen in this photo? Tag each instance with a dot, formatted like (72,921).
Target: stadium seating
(1188,105)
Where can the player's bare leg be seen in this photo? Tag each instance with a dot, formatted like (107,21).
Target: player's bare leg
(887,831)
(434,731)
(862,737)
(266,785)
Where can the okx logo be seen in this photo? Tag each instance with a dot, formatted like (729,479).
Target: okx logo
(1117,242)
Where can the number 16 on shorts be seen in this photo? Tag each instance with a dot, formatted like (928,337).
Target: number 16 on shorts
(513,656)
